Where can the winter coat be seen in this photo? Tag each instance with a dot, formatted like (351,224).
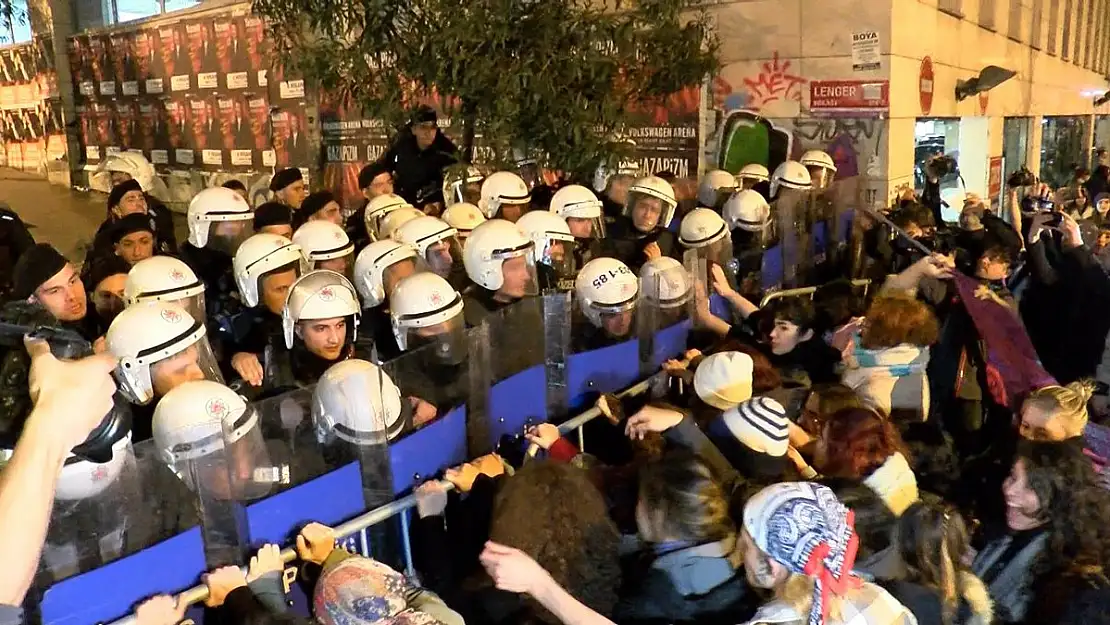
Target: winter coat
(701,584)
(975,606)
(418,174)
(890,379)
(1008,582)
(869,605)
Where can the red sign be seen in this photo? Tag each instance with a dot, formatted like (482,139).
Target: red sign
(925,85)
(984,100)
(849,94)
(995,179)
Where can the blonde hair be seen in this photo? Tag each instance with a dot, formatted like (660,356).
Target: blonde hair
(1066,403)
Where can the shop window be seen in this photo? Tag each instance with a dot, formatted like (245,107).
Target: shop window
(1014,25)
(952,7)
(930,138)
(1063,148)
(99,13)
(987,14)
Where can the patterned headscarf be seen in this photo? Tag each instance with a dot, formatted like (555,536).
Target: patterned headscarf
(805,527)
(361,591)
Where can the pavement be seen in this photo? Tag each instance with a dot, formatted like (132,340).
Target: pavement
(66,218)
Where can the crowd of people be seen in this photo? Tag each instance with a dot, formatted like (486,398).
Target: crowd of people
(912,452)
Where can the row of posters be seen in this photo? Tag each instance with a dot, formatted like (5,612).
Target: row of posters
(197,93)
(201,93)
(32,123)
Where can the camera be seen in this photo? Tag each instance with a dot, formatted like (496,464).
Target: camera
(1021,178)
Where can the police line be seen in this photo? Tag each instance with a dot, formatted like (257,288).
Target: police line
(349,532)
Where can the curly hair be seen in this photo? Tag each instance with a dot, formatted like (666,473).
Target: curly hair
(895,319)
(858,441)
(685,500)
(1074,507)
(552,512)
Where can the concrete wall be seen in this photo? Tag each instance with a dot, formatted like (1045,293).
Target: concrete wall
(759,108)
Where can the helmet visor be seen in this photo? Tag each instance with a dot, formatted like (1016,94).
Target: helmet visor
(821,177)
(446,342)
(228,465)
(343,264)
(195,362)
(518,273)
(648,212)
(584,228)
(227,236)
(559,255)
(443,255)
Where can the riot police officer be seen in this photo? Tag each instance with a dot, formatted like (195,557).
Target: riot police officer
(498,260)
(462,184)
(427,316)
(748,216)
(640,233)
(358,403)
(790,187)
(395,219)
(266,266)
(377,209)
(606,291)
(438,244)
(585,218)
(463,217)
(219,221)
(755,177)
(504,195)
(379,267)
(320,324)
(325,245)
(159,346)
(665,287)
(715,187)
(165,279)
(552,249)
(15,239)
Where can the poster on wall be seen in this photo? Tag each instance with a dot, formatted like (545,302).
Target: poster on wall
(866,52)
(667,134)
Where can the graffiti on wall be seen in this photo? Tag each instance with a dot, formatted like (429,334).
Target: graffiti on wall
(759,115)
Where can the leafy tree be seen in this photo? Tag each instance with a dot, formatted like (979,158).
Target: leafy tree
(558,79)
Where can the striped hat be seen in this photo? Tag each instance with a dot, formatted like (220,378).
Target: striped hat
(760,424)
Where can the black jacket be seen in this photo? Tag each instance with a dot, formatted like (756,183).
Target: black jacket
(418,174)
(627,244)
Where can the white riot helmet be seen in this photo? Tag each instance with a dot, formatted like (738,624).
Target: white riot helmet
(436,242)
(320,294)
(821,168)
(503,188)
(260,255)
(552,241)
(379,266)
(395,219)
(219,215)
(790,175)
(133,164)
(159,345)
(747,210)
(459,186)
(752,174)
(425,307)
(165,279)
(356,402)
(325,245)
(703,230)
(378,208)
(606,287)
(701,227)
(656,193)
(206,434)
(576,203)
(489,247)
(715,187)
(463,217)
(81,479)
(665,283)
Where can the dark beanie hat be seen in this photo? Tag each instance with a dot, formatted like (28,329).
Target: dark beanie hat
(423,114)
(135,222)
(371,171)
(313,203)
(35,266)
(272,214)
(284,178)
(122,189)
(104,267)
